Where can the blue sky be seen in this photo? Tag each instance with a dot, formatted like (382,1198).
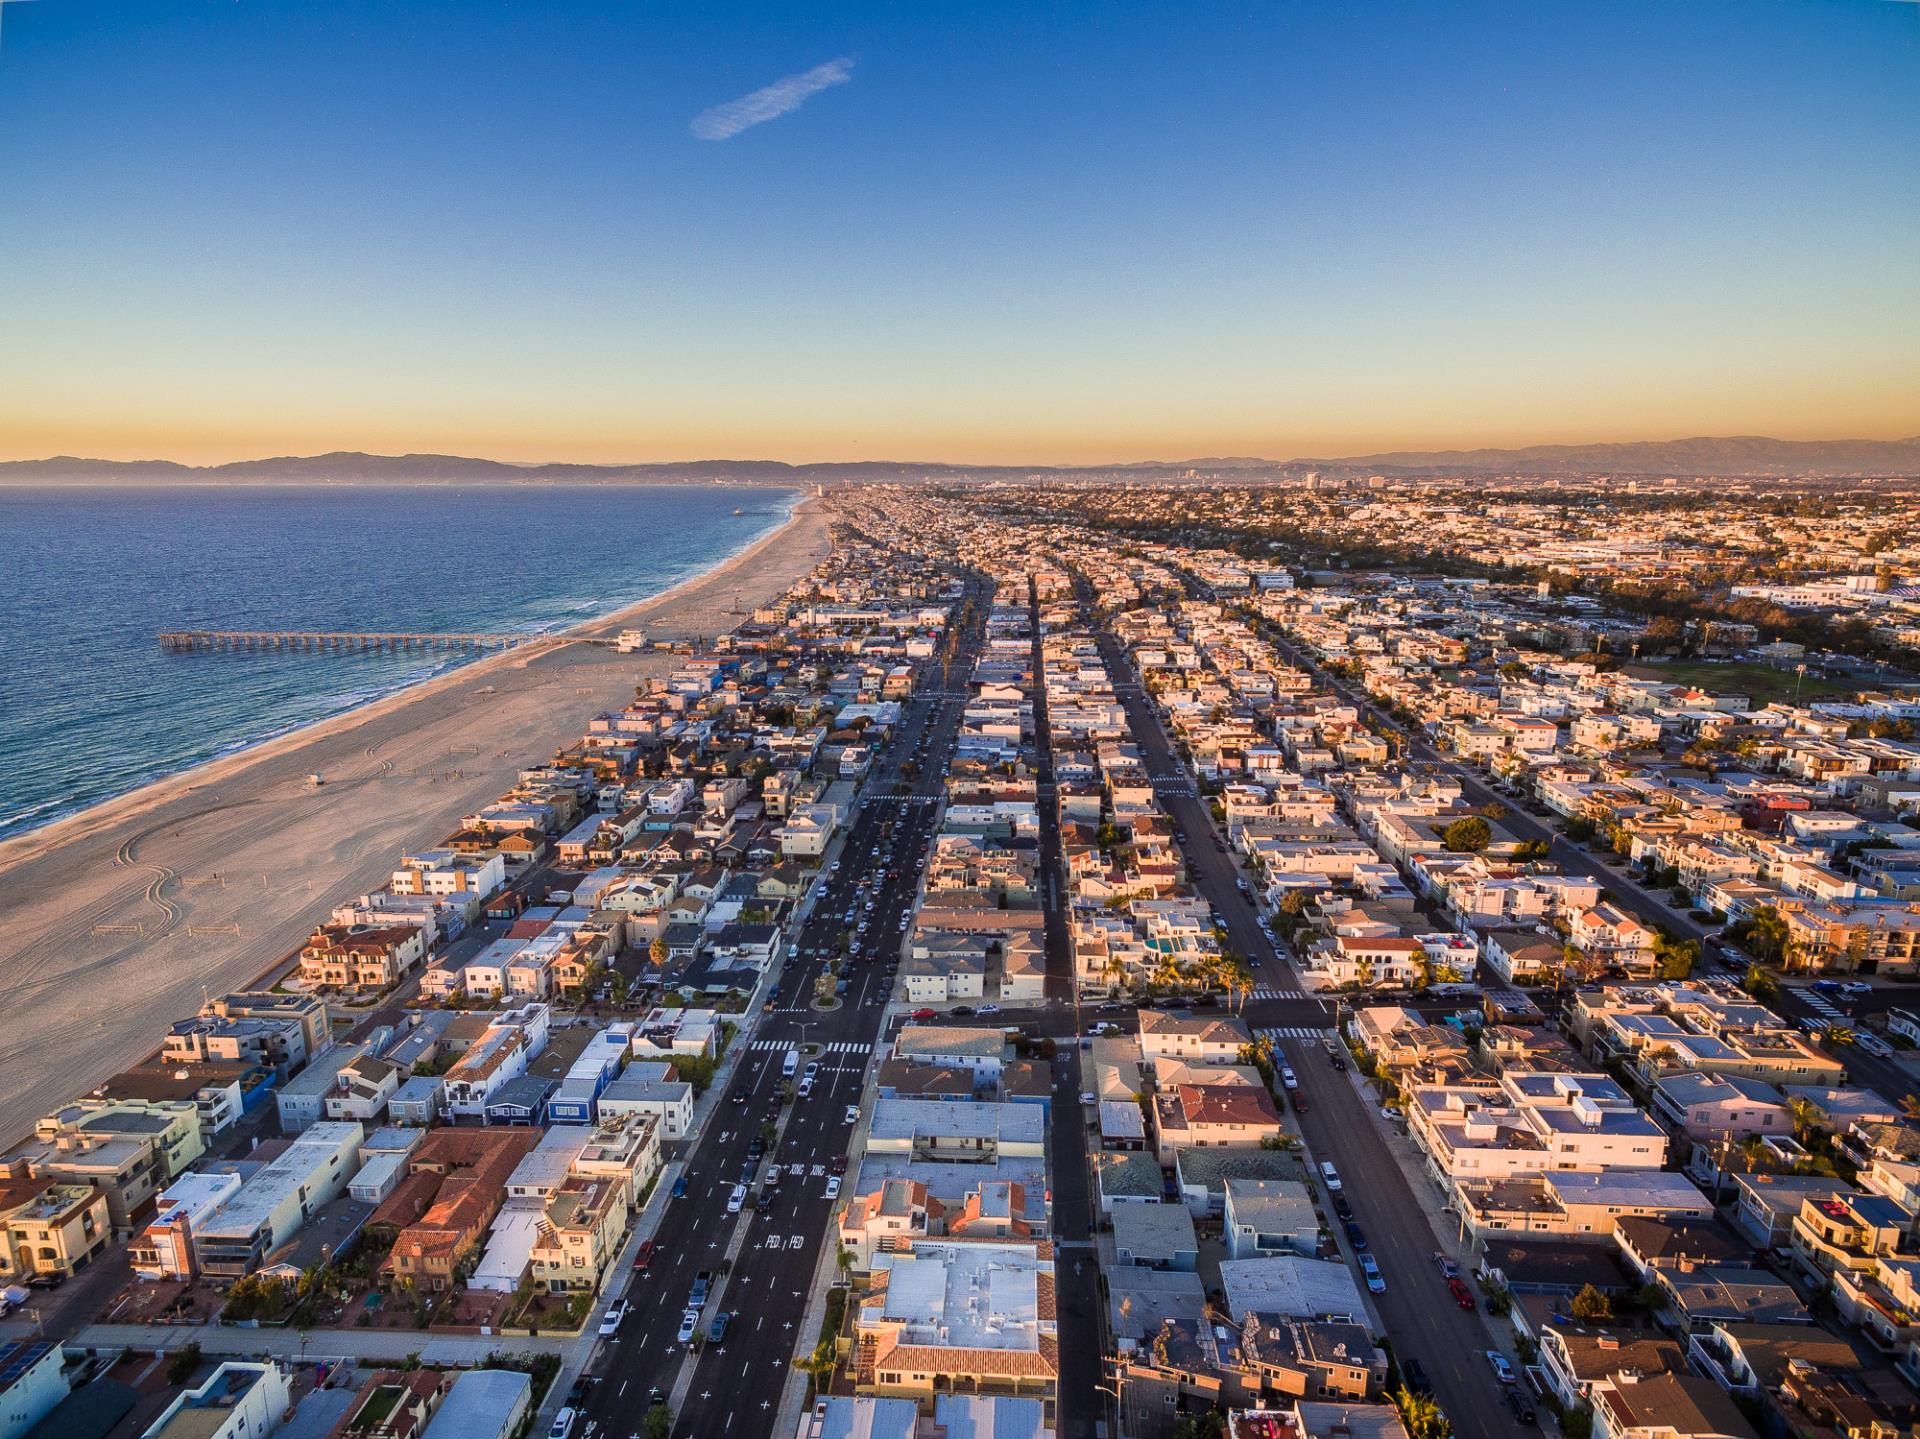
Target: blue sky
(234,227)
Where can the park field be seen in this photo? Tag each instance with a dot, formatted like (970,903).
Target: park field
(1761,683)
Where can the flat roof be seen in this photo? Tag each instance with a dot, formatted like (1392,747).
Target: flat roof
(478,1404)
(967,1296)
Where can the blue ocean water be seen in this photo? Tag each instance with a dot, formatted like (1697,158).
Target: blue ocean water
(91,707)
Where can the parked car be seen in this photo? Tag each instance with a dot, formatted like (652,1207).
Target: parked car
(1414,1375)
(702,1287)
(680,1187)
(1502,1370)
(921,1014)
(1288,1079)
(961,1011)
(610,1321)
(643,1256)
(562,1425)
(1462,1295)
(853,1114)
(736,1199)
(689,1324)
(833,1187)
(1448,1269)
(1356,1236)
(1523,1411)
(1370,1267)
(1341,1207)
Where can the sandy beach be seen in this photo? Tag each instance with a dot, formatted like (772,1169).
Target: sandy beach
(115,921)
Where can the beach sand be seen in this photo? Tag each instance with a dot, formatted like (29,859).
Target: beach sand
(115,921)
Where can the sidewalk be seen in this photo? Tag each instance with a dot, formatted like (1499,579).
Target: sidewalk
(314,1344)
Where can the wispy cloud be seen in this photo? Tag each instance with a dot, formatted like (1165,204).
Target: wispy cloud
(723,122)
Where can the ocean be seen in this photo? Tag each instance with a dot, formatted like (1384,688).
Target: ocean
(91,707)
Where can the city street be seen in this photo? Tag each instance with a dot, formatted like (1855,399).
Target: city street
(734,1386)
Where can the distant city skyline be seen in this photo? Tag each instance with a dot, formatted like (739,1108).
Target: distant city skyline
(596,232)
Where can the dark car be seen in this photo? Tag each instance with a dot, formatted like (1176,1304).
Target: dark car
(1356,1236)
(717,1330)
(1338,1063)
(1341,1207)
(961,1011)
(1523,1411)
(1415,1376)
(680,1188)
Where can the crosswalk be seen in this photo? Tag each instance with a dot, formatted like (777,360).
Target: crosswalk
(1296,1032)
(1817,1002)
(1278,994)
(835,1046)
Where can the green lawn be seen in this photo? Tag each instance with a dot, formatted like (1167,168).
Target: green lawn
(1763,685)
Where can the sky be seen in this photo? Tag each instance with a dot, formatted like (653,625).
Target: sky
(613,230)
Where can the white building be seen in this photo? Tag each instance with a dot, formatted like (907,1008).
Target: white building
(238,1401)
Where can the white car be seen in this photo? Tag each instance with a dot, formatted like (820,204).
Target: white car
(1288,1079)
(610,1321)
(833,1187)
(988,1009)
(689,1322)
(853,1114)
(737,1198)
(562,1425)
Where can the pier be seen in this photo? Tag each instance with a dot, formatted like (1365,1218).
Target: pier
(187,641)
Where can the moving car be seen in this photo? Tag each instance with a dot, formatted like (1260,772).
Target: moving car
(689,1324)
(833,1187)
(853,1114)
(610,1321)
(717,1330)
(737,1198)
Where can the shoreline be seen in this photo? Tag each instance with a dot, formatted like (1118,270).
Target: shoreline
(90,818)
(117,921)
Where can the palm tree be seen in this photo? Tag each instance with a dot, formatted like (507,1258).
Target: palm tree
(1238,979)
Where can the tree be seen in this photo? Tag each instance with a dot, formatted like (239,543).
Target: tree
(657,951)
(1467,836)
(1676,957)
(658,1424)
(1421,1415)
(1767,935)
(1590,1305)
(185,1360)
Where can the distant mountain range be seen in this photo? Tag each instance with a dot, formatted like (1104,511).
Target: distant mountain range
(1728,455)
